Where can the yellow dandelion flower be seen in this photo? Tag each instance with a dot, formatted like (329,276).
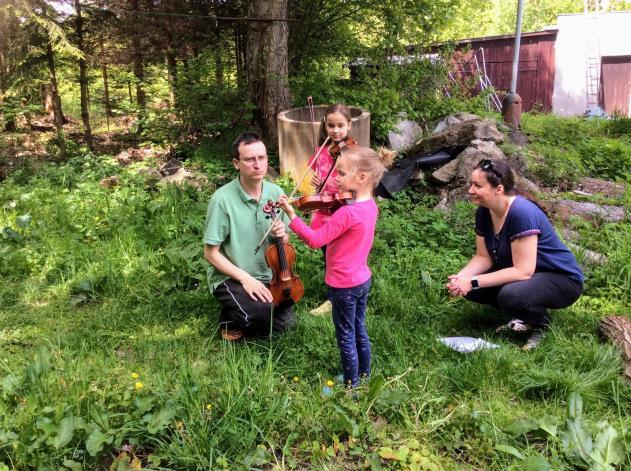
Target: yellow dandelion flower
(209,407)
(135,375)
(296,379)
(330,383)
(139,385)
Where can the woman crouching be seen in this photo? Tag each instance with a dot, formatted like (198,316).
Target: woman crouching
(520,265)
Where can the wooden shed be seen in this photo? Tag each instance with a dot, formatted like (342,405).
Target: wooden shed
(492,57)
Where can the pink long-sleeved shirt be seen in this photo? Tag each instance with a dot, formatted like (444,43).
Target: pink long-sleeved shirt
(348,235)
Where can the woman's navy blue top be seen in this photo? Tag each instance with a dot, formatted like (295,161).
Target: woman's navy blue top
(524,219)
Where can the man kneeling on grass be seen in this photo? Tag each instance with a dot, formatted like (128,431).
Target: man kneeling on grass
(235,223)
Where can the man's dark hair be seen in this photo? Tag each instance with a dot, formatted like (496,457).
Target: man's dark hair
(247,137)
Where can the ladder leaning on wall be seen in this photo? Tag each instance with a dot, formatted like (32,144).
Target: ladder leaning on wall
(592,8)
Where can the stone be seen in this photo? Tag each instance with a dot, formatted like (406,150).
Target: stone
(109,182)
(183,177)
(592,212)
(457,194)
(526,187)
(442,205)
(517,138)
(445,123)
(459,134)
(462,116)
(447,172)
(617,329)
(570,235)
(151,175)
(471,156)
(591,257)
(170,167)
(603,187)
(406,132)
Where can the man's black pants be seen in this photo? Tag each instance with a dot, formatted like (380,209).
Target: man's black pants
(239,311)
(529,300)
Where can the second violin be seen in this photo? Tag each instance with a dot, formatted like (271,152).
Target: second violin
(323,201)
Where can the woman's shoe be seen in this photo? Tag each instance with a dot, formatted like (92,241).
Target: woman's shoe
(533,340)
(514,325)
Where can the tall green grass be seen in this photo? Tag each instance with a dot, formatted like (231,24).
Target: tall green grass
(110,350)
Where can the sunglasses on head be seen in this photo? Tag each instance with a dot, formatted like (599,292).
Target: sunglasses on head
(487,165)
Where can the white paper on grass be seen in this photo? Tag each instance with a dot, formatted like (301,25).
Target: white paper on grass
(466,344)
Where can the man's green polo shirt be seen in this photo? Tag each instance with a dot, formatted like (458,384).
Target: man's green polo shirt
(236,222)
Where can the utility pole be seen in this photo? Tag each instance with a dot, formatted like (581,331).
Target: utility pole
(511,105)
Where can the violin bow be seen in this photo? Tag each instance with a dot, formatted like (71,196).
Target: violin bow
(269,229)
(313,131)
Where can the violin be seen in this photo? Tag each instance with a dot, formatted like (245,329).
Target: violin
(323,201)
(336,150)
(281,256)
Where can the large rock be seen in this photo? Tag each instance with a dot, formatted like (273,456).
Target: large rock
(459,134)
(604,187)
(471,156)
(592,212)
(183,177)
(447,172)
(404,135)
(445,123)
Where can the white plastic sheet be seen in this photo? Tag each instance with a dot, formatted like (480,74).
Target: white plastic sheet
(466,344)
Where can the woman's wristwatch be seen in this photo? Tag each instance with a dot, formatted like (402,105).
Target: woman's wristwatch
(474,283)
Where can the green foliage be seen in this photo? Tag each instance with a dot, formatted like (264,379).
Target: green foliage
(562,150)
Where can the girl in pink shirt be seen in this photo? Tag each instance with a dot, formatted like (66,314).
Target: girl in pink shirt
(335,125)
(348,234)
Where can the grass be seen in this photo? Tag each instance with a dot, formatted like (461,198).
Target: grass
(110,353)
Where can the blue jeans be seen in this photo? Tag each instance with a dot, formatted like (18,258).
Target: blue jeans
(349,318)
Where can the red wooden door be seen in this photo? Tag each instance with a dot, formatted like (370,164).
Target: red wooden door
(616,77)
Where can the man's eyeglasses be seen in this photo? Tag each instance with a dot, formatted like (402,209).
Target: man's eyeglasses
(251,160)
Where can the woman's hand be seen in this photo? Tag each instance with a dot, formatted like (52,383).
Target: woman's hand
(286,206)
(459,285)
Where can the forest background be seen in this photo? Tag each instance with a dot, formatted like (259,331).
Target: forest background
(109,353)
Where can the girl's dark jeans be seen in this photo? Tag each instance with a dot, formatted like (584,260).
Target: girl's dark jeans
(530,299)
(349,318)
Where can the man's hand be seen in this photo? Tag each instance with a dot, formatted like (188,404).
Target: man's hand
(256,289)
(278,229)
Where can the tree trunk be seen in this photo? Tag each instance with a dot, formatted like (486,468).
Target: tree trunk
(131,97)
(58,115)
(171,73)
(267,69)
(239,56)
(106,92)
(219,66)
(83,78)
(139,69)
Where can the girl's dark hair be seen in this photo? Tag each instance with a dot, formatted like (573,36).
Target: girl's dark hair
(335,108)
(498,173)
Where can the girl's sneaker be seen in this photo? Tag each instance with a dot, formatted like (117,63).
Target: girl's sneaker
(325,308)
(514,325)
